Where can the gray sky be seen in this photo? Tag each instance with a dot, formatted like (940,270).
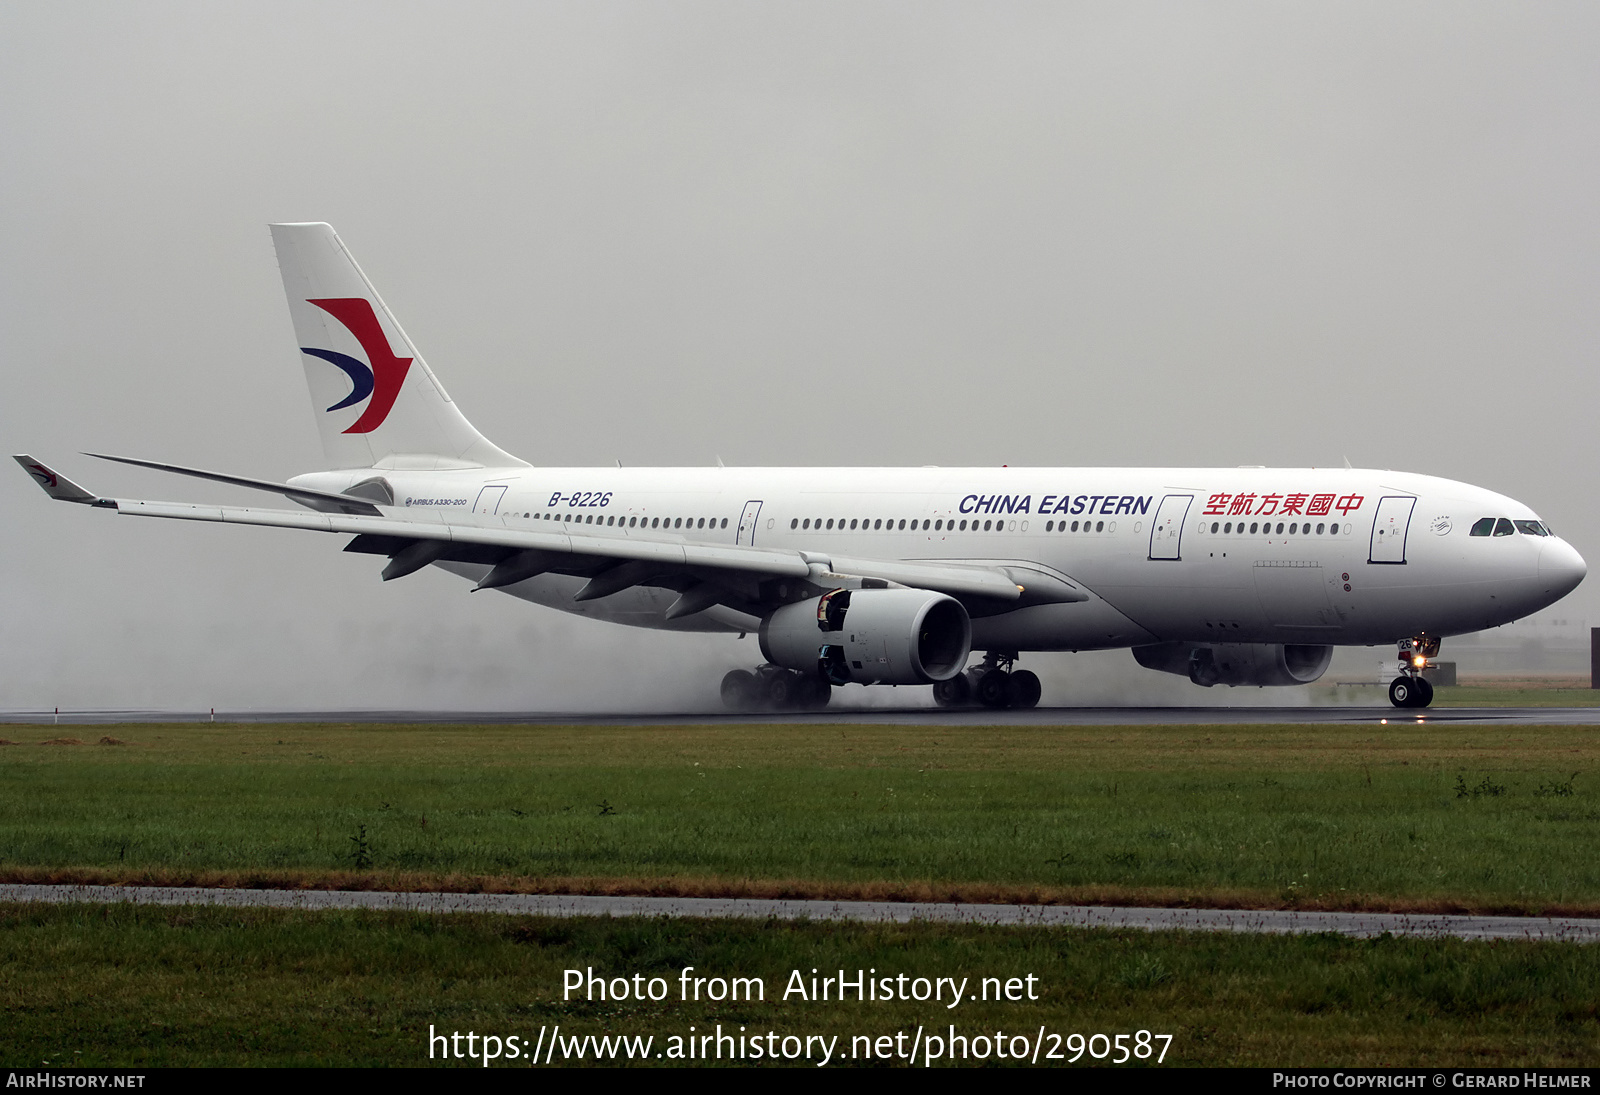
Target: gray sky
(816,233)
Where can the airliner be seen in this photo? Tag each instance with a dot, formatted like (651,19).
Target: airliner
(886,576)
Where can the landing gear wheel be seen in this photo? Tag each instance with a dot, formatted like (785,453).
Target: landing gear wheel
(781,690)
(994,688)
(1410,692)
(1025,689)
(1402,693)
(1424,691)
(955,692)
(739,690)
(813,694)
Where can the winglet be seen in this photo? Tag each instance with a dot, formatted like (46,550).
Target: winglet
(55,484)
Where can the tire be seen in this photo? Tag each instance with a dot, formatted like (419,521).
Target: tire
(781,690)
(1025,689)
(1403,692)
(1424,692)
(739,690)
(994,688)
(815,694)
(955,692)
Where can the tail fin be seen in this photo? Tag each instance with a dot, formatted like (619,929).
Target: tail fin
(377,403)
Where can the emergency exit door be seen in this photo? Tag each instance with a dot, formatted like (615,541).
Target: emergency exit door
(747,523)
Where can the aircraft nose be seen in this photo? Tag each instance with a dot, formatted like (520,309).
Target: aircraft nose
(1561,568)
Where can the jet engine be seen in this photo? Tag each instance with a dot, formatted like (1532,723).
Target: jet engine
(1207,664)
(871,636)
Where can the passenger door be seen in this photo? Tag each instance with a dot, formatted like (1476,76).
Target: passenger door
(1389,530)
(1166,531)
(488,503)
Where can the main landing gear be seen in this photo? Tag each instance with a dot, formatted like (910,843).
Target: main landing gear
(994,682)
(773,688)
(1410,688)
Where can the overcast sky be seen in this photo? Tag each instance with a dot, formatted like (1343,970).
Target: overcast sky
(818,233)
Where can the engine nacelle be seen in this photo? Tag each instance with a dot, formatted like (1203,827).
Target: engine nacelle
(1207,664)
(871,636)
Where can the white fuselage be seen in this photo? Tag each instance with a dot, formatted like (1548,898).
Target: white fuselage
(1245,555)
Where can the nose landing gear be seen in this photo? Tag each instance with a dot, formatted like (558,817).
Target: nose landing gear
(1410,688)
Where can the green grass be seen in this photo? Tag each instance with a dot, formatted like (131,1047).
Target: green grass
(124,986)
(1314,816)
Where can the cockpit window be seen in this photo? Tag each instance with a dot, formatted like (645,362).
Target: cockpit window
(1503,527)
(1483,526)
(1532,528)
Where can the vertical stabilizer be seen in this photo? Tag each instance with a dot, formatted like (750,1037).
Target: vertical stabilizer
(376,401)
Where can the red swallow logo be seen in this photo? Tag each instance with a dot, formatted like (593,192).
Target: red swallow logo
(388,371)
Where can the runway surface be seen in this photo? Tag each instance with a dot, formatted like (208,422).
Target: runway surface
(883,716)
(1359,925)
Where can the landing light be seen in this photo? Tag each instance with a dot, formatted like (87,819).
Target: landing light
(1419,661)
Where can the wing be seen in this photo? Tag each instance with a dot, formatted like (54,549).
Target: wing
(741,577)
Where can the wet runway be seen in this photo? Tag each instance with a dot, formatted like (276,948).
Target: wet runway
(1345,714)
(1359,925)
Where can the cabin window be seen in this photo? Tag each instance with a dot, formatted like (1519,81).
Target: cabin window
(1280,528)
(1213,525)
(1532,528)
(1319,528)
(964,526)
(1099,526)
(1049,526)
(1252,526)
(724,522)
(794,522)
(1503,527)
(1483,526)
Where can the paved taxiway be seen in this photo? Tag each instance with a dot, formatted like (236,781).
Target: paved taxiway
(1360,925)
(882,716)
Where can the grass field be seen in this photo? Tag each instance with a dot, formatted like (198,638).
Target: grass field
(1401,816)
(1518,692)
(134,986)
